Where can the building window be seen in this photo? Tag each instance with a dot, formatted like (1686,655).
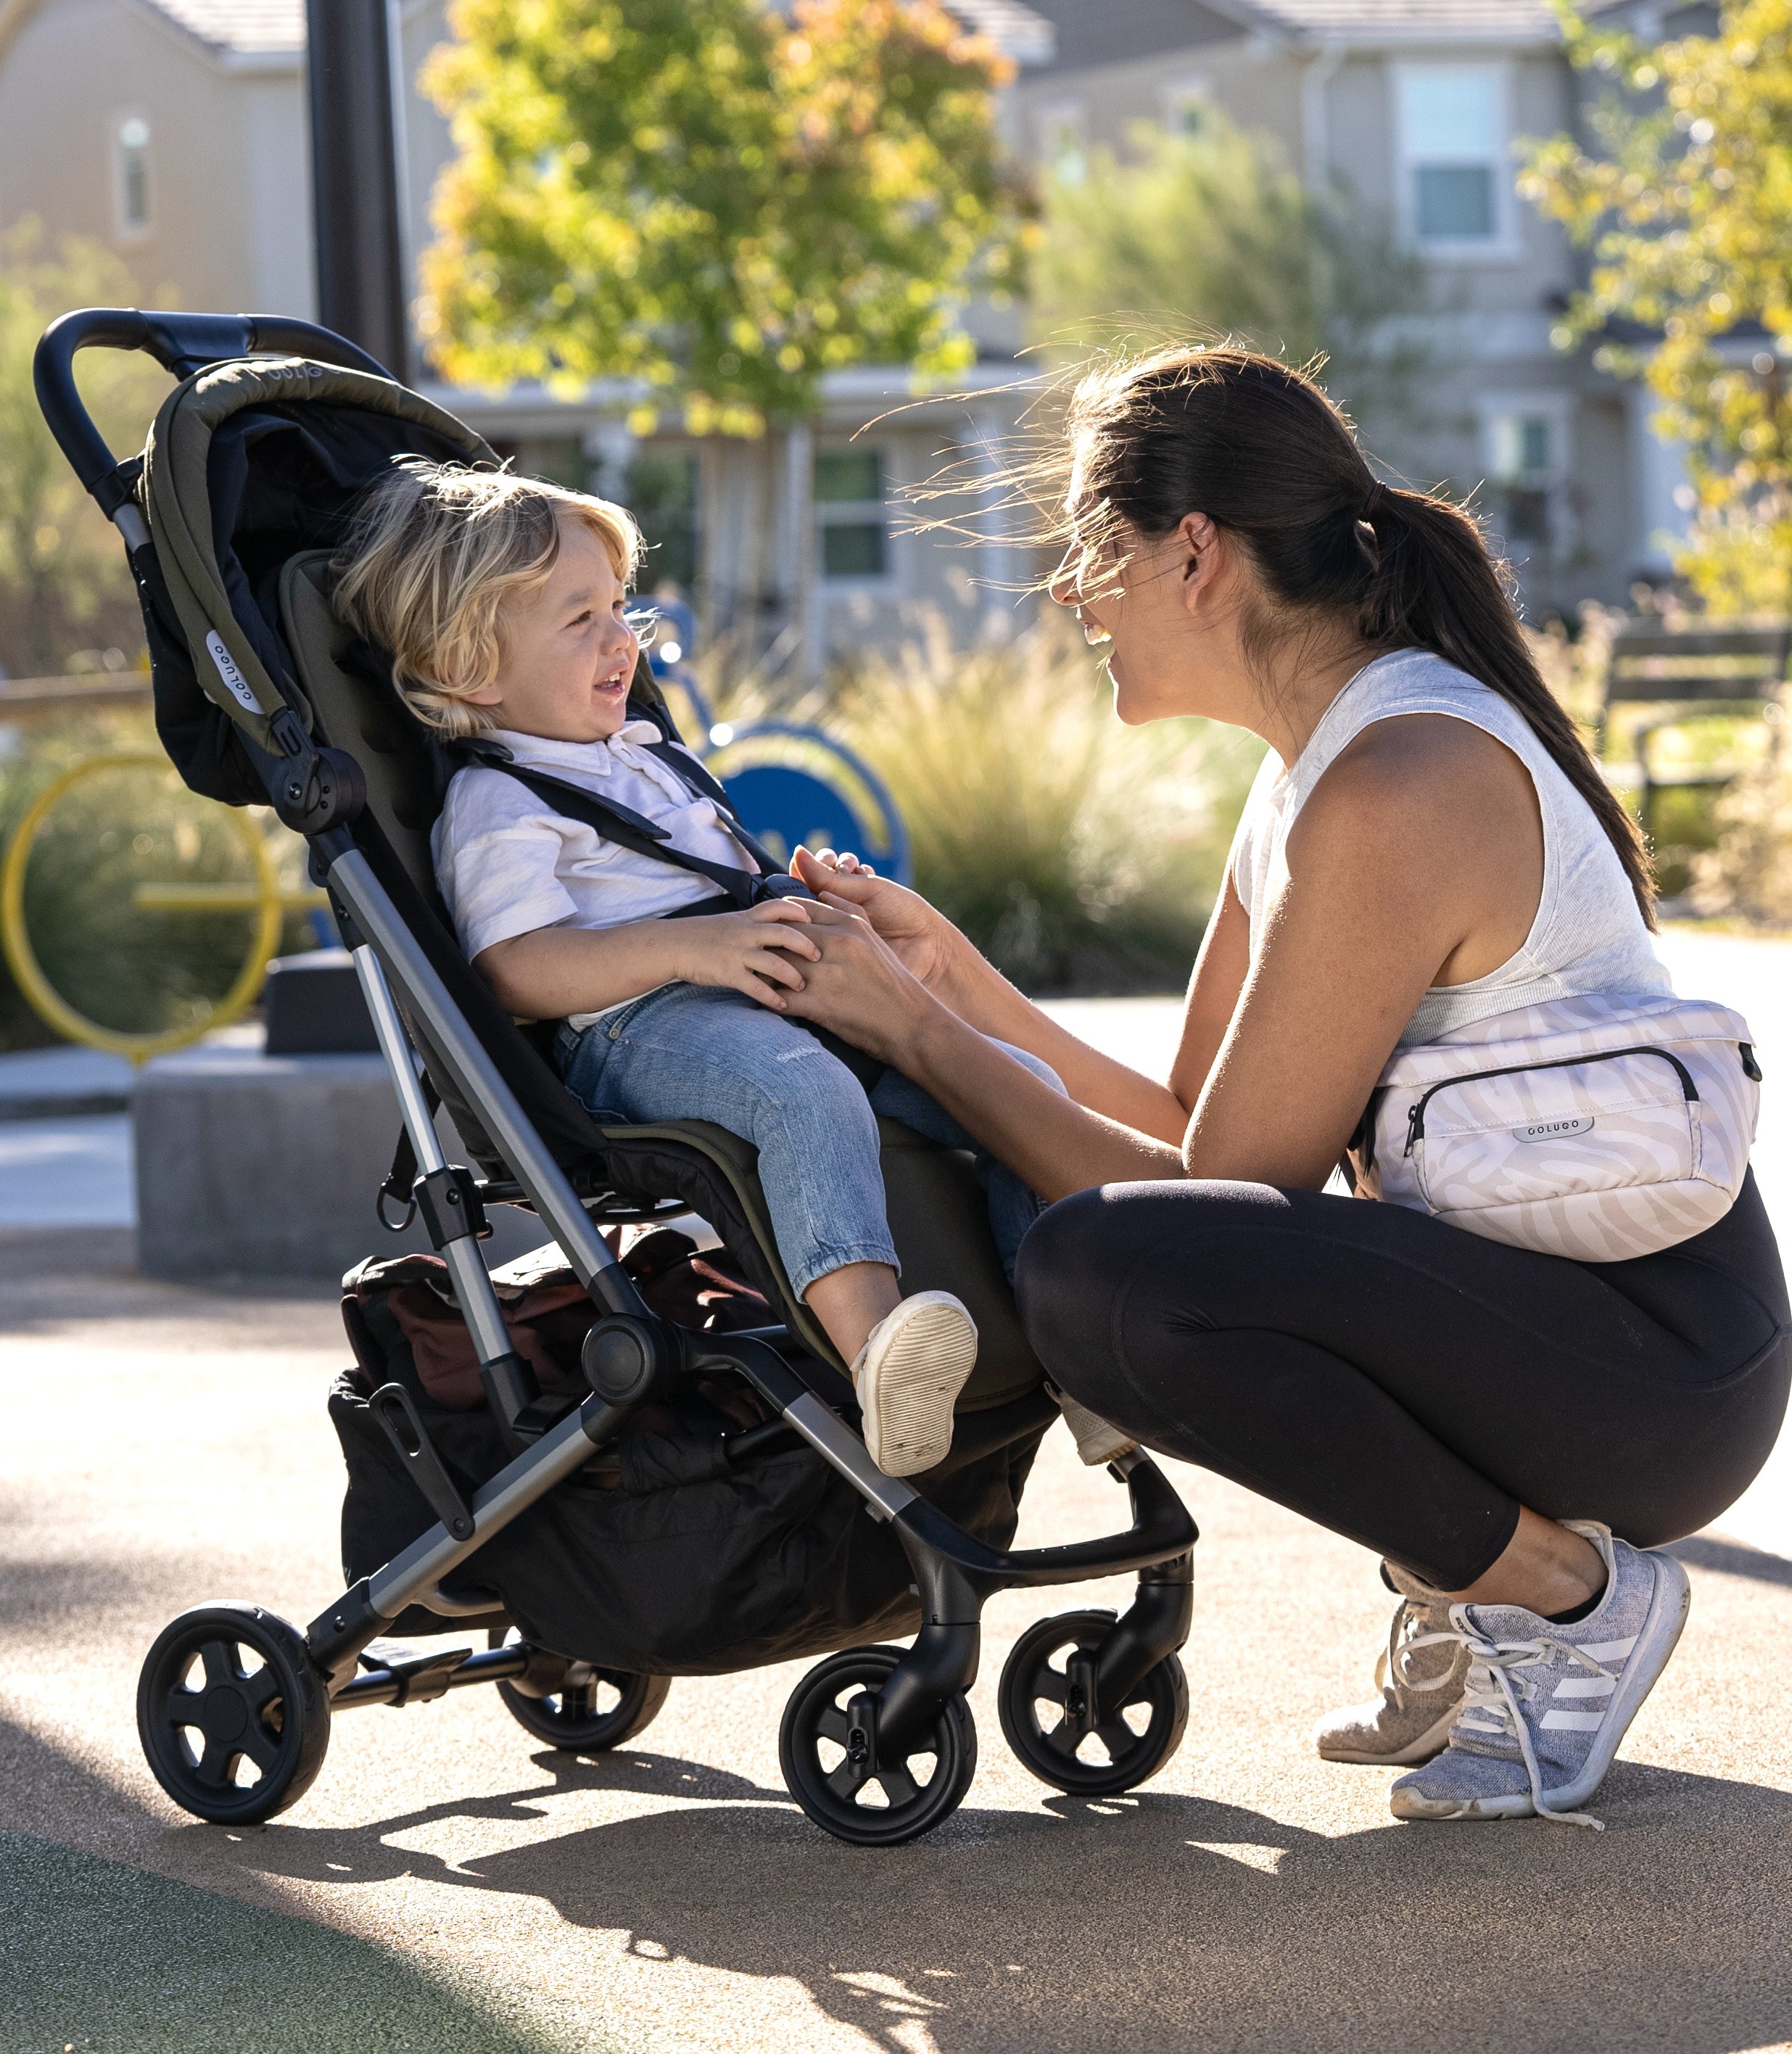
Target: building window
(130,175)
(1185,103)
(1453,141)
(1525,453)
(851,516)
(660,492)
(1064,136)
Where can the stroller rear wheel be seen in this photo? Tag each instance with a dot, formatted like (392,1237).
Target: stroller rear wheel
(1046,1698)
(594,1709)
(234,1716)
(842,1785)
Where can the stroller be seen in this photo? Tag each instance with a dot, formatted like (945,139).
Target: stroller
(619,1477)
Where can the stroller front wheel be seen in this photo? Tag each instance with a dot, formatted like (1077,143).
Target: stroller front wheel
(595,1708)
(847,1790)
(1049,1716)
(233,1715)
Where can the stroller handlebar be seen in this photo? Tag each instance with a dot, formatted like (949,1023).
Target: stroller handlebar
(182,343)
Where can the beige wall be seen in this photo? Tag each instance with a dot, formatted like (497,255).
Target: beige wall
(228,183)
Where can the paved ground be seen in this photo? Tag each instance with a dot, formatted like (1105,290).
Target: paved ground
(448,1884)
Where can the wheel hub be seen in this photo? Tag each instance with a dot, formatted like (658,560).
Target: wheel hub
(223,1716)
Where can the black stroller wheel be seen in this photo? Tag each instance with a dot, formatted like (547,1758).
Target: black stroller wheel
(871,1804)
(597,1708)
(1043,1697)
(233,1715)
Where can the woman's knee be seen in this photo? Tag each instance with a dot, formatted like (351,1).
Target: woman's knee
(1065,1274)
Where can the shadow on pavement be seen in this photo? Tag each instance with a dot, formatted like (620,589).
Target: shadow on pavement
(110,1959)
(1160,1920)
(1731,1558)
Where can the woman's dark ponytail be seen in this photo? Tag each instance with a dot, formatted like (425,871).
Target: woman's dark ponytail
(1262,451)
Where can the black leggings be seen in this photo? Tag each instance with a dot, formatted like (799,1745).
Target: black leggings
(1409,1384)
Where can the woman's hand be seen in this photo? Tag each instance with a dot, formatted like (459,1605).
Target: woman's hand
(926,941)
(859,987)
(749,951)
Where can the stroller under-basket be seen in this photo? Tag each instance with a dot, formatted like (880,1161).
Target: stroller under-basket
(640,1479)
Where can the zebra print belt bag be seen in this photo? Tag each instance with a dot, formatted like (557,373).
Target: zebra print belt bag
(1598,1128)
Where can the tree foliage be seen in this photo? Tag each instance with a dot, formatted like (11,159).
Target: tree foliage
(63,578)
(1684,191)
(1212,233)
(717,201)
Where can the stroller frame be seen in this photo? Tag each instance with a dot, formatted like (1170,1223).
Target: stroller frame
(905,1702)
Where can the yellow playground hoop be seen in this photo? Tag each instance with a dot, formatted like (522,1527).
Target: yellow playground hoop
(263,897)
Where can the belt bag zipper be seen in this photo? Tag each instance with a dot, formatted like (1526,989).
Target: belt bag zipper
(1415,1119)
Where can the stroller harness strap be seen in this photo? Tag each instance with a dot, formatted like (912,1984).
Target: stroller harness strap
(633,831)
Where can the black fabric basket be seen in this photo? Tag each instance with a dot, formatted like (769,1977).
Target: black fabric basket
(687,1567)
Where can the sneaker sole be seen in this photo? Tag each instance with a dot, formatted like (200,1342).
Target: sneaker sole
(907,1397)
(1662,1627)
(1429,1744)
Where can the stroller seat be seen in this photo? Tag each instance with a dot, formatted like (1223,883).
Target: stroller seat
(682,1500)
(935,1206)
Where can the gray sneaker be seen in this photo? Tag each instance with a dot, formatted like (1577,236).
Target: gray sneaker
(1422,1673)
(1548,1704)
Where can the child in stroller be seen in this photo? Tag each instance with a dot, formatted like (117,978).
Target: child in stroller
(502,601)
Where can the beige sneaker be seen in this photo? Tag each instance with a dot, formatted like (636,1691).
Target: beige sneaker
(1096,1441)
(908,1375)
(1421,1689)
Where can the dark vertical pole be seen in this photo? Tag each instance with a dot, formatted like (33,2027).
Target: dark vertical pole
(354,178)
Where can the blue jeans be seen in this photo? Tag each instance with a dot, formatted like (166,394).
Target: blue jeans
(691,1051)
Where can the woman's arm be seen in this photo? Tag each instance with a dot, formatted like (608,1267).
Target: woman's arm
(1418,860)
(969,986)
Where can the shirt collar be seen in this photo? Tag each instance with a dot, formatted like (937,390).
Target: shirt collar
(587,756)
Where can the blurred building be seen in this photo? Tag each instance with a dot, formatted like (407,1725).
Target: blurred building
(173,131)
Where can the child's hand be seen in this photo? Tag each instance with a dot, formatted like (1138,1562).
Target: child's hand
(749,951)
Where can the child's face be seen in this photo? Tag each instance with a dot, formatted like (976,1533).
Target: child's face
(568,654)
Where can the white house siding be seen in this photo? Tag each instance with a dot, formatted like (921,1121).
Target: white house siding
(71,71)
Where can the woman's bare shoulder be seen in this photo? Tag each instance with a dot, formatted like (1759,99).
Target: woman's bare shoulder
(1429,775)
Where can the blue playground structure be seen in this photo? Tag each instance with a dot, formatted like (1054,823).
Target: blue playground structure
(792,782)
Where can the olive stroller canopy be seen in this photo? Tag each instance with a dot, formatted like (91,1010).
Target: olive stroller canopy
(248,464)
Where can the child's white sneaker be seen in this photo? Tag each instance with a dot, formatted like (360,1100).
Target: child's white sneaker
(1097,1441)
(914,1363)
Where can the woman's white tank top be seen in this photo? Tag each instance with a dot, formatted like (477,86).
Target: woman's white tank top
(1588,935)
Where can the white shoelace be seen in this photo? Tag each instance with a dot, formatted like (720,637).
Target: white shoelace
(1402,1642)
(1490,1691)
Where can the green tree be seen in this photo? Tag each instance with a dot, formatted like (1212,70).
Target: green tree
(63,582)
(712,200)
(1684,191)
(1212,233)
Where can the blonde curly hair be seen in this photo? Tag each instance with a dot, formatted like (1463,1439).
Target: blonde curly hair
(435,551)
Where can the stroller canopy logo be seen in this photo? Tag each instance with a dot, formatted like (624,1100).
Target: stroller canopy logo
(234,682)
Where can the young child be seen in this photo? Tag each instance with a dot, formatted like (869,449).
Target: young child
(501,601)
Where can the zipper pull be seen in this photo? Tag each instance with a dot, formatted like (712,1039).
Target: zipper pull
(1414,1125)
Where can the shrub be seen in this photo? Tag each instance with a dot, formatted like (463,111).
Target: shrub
(65,585)
(1747,877)
(124,966)
(1078,855)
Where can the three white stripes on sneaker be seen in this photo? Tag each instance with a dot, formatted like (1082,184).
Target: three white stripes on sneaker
(1601,1687)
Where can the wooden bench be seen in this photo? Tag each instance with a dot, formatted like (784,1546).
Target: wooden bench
(1692,673)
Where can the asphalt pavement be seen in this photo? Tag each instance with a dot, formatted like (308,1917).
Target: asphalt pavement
(448,1883)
